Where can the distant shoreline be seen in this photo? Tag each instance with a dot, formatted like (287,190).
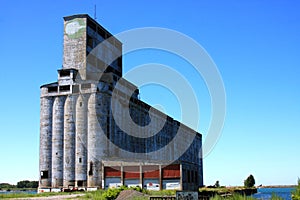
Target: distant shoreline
(277,186)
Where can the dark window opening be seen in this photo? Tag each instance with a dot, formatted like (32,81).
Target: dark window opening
(64,88)
(56,153)
(101,32)
(92,25)
(79,183)
(64,73)
(44,174)
(188,176)
(80,160)
(120,61)
(192,176)
(196,177)
(75,88)
(90,41)
(52,89)
(80,104)
(86,86)
(91,169)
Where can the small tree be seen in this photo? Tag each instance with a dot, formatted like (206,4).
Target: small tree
(250,181)
(217,184)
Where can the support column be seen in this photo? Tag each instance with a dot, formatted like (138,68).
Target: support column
(160,178)
(181,173)
(141,176)
(122,175)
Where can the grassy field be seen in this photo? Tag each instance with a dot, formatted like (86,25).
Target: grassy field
(26,195)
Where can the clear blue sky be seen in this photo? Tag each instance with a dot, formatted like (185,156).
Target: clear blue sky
(255,44)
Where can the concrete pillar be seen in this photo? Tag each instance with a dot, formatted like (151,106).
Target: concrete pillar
(81,142)
(102,177)
(181,173)
(95,148)
(57,141)
(160,178)
(46,141)
(122,175)
(69,142)
(141,176)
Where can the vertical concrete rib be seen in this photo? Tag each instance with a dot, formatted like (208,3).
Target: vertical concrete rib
(57,142)
(81,142)
(46,141)
(95,146)
(69,142)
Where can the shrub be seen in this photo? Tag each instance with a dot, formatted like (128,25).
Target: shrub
(296,193)
(249,182)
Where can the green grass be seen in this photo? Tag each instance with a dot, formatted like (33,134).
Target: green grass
(26,195)
(233,197)
(160,193)
(296,193)
(97,195)
(241,197)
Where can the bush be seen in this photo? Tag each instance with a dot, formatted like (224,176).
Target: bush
(296,193)
(249,182)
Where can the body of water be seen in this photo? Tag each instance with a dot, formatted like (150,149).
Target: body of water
(266,193)
(12,191)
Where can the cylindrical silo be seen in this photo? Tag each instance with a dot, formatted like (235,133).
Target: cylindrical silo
(57,141)
(81,142)
(69,142)
(45,141)
(95,144)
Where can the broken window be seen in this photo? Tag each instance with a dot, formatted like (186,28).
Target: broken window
(91,169)
(52,89)
(64,73)
(79,183)
(44,174)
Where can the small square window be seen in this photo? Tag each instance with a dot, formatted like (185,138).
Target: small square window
(44,174)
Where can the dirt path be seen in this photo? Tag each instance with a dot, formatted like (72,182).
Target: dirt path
(58,197)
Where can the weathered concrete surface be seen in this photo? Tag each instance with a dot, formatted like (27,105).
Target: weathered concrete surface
(69,142)
(46,140)
(57,141)
(81,141)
